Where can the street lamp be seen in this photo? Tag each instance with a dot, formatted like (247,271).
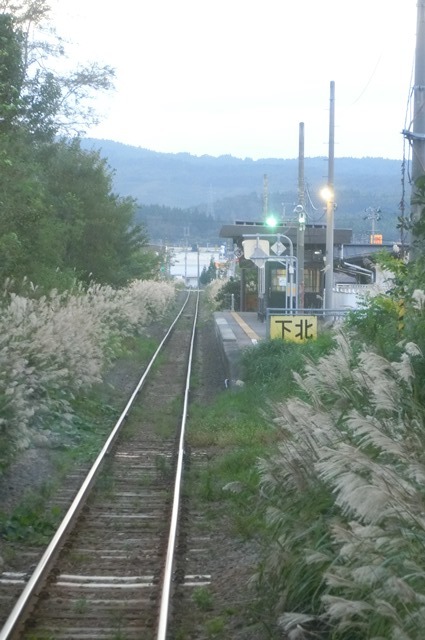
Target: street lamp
(300,213)
(327,193)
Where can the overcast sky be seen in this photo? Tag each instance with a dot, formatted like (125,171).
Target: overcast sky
(238,76)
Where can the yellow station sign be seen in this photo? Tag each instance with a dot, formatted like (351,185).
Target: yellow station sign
(293,328)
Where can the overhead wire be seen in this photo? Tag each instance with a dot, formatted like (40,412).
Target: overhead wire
(369,81)
(313,207)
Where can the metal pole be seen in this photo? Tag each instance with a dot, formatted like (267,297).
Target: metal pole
(418,135)
(243,290)
(301,225)
(290,265)
(290,269)
(186,236)
(330,205)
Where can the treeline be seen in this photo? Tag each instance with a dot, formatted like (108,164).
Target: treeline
(171,225)
(59,218)
(202,224)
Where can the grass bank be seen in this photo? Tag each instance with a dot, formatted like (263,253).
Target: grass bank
(235,432)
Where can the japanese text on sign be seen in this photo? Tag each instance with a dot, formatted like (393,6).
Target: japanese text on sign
(294,328)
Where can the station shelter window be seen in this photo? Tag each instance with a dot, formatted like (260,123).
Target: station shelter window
(311,280)
(281,287)
(278,279)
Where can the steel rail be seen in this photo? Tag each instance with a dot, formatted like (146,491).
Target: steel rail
(42,569)
(169,561)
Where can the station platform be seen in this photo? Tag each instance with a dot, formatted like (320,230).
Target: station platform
(235,332)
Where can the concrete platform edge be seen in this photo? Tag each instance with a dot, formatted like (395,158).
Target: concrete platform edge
(235,332)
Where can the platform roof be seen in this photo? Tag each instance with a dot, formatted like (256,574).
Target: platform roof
(313,235)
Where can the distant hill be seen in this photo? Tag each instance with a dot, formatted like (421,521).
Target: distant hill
(227,188)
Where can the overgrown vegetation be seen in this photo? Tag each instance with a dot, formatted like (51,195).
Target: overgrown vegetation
(54,347)
(75,270)
(344,498)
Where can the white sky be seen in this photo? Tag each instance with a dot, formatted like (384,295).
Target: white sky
(238,76)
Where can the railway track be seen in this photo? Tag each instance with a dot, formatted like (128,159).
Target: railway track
(108,571)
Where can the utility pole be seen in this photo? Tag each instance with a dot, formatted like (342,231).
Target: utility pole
(186,239)
(265,197)
(300,210)
(417,137)
(373,215)
(330,205)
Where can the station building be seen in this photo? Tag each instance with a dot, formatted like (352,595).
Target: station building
(277,250)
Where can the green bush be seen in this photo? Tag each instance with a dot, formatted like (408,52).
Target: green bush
(231,287)
(271,363)
(377,323)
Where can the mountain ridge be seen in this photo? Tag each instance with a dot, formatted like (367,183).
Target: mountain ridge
(226,188)
(154,177)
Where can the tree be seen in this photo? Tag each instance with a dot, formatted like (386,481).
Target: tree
(33,96)
(208,275)
(58,216)
(98,235)
(22,206)
(11,71)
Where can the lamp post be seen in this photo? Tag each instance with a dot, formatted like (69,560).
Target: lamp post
(328,194)
(300,212)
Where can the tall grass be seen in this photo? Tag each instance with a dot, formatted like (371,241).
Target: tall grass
(52,347)
(345,500)
(212,291)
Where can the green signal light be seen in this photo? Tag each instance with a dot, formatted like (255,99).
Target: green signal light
(271,221)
